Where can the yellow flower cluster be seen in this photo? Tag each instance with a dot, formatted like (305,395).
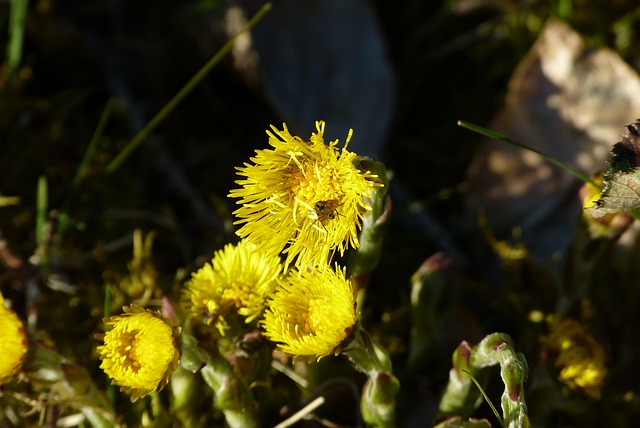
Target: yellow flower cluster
(140,351)
(13,345)
(301,200)
(305,200)
(307,314)
(580,356)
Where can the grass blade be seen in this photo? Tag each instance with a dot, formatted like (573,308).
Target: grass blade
(93,144)
(186,89)
(496,135)
(41,209)
(486,398)
(17,18)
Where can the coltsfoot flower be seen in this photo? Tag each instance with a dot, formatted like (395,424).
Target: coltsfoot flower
(305,199)
(311,314)
(238,280)
(140,351)
(13,345)
(580,356)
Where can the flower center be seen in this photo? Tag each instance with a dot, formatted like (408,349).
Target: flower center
(127,348)
(238,294)
(313,320)
(314,182)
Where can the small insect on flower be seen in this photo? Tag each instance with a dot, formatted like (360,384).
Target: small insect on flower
(326,210)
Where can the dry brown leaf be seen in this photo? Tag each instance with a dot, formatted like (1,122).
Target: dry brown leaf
(567,102)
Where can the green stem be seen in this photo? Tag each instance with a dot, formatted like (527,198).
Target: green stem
(16,35)
(186,89)
(41,210)
(365,353)
(375,223)
(232,395)
(495,349)
(378,400)
(84,165)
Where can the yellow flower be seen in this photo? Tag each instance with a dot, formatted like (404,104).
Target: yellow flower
(239,279)
(591,194)
(140,351)
(13,345)
(580,356)
(312,313)
(303,198)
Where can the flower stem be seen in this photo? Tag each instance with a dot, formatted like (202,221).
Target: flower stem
(379,394)
(460,396)
(232,396)
(374,227)
(17,19)
(93,144)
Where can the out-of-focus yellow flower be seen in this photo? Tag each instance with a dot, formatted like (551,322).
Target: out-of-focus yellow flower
(140,351)
(238,280)
(609,226)
(580,356)
(591,194)
(312,313)
(303,198)
(13,343)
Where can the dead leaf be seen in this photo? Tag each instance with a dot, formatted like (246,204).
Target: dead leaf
(564,101)
(622,180)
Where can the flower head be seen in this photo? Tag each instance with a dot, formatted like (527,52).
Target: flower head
(13,345)
(303,198)
(580,356)
(140,351)
(238,280)
(312,313)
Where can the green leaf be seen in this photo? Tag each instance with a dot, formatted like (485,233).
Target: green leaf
(621,190)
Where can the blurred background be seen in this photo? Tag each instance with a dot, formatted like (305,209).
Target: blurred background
(557,75)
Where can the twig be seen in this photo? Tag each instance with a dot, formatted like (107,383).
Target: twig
(300,414)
